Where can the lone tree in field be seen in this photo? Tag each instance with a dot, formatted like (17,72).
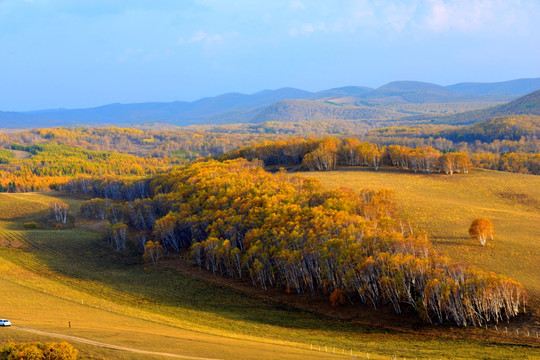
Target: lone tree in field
(481,229)
(59,210)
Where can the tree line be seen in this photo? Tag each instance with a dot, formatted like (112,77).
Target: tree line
(328,153)
(48,166)
(237,220)
(508,143)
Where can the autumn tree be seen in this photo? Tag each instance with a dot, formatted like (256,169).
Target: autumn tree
(116,235)
(59,210)
(153,251)
(481,229)
(289,232)
(323,158)
(38,350)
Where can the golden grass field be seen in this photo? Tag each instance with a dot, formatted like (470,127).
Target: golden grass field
(445,205)
(51,277)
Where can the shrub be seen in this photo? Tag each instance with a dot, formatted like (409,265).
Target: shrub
(337,298)
(31,225)
(38,351)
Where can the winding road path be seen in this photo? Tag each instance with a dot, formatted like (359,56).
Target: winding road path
(109,346)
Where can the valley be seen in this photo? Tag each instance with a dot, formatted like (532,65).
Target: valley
(52,277)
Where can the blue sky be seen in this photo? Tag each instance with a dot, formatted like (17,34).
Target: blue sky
(75,53)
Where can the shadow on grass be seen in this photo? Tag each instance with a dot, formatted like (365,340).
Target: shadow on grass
(37,216)
(100,271)
(456,241)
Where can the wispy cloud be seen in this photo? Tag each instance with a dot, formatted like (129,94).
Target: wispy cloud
(398,16)
(307,29)
(349,17)
(466,15)
(129,54)
(203,36)
(297,5)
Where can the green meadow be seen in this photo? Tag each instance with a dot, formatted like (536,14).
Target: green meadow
(53,277)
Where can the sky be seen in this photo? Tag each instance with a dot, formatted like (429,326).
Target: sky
(85,53)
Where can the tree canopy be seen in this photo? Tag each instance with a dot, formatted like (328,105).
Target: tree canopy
(284,231)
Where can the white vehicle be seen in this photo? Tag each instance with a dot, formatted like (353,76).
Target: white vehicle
(4,322)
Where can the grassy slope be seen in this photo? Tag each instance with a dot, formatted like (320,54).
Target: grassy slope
(446,205)
(51,277)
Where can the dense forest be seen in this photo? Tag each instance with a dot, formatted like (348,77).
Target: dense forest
(41,159)
(44,166)
(279,230)
(509,143)
(179,144)
(284,231)
(328,153)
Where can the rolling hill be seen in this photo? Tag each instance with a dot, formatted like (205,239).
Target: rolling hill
(525,105)
(52,277)
(342,91)
(306,110)
(512,87)
(265,105)
(416,92)
(500,128)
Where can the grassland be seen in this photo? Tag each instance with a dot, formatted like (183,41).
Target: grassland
(52,277)
(446,205)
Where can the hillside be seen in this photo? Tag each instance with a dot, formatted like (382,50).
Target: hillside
(526,105)
(306,110)
(243,108)
(446,205)
(500,128)
(178,112)
(415,92)
(54,276)
(512,87)
(354,91)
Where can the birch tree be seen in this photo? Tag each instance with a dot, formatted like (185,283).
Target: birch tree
(481,229)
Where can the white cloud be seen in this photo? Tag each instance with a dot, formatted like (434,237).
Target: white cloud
(354,15)
(202,36)
(130,54)
(307,29)
(466,15)
(391,18)
(198,36)
(399,15)
(297,5)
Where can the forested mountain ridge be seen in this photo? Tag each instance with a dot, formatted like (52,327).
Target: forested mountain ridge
(419,93)
(512,128)
(512,87)
(243,108)
(525,105)
(306,110)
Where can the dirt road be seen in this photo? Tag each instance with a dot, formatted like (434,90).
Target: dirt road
(108,346)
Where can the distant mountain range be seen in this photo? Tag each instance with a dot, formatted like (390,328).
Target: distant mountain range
(286,104)
(526,105)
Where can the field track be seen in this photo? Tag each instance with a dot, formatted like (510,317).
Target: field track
(109,346)
(120,309)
